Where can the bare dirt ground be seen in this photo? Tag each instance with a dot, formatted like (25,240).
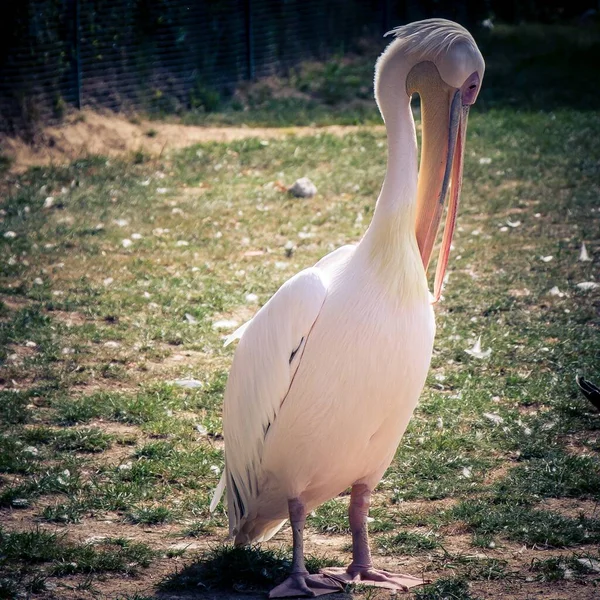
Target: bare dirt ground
(110,134)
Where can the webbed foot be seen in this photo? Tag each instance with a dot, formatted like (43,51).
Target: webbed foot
(303,584)
(374,577)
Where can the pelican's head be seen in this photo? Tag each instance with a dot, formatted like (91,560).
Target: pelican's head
(440,61)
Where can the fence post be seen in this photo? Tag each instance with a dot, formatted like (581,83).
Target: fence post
(249,41)
(77,51)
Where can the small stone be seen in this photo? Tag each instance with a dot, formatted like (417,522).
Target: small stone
(136,236)
(126,243)
(30,344)
(201,429)
(182,243)
(10,235)
(289,248)
(49,202)
(121,222)
(38,281)
(108,281)
(303,188)
(485,160)
(112,344)
(251,298)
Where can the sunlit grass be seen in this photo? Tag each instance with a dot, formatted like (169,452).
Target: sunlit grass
(97,333)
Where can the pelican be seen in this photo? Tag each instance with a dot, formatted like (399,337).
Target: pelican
(328,372)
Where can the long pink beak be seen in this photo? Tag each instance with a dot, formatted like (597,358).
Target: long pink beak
(444,131)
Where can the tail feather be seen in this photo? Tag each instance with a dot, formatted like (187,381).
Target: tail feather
(218,493)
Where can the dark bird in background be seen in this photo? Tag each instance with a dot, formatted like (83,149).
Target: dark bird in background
(589,390)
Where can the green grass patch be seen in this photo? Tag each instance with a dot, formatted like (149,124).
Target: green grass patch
(527,525)
(408,543)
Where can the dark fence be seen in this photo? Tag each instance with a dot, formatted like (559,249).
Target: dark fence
(173,55)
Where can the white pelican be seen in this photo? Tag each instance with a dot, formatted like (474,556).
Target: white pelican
(328,372)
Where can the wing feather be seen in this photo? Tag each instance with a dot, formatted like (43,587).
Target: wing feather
(264,364)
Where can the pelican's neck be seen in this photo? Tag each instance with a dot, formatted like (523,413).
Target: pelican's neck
(399,191)
(392,229)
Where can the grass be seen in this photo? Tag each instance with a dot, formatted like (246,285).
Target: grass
(95,334)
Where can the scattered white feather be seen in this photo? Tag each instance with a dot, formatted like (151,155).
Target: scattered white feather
(583,254)
(121,222)
(251,298)
(126,243)
(224,324)
(191,319)
(182,243)
(108,281)
(30,344)
(555,292)
(494,418)
(38,281)
(112,344)
(189,384)
(161,190)
(485,160)
(513,224)
(136,236)
(467,472)
(281,265)
(504,229)
(546,258)
(10,235)
(590,563)
(587,285)
(477,352)
(201,429)
(49,202)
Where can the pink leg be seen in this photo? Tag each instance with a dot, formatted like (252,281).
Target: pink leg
(300,583)
(361,568)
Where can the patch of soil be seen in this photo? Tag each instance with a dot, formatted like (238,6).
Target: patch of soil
(109,134)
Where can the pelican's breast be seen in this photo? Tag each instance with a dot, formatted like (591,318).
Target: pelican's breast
(359,381)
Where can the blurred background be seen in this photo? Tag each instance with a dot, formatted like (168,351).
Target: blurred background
(193,59)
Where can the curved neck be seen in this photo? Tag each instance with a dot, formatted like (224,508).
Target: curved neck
(394,217)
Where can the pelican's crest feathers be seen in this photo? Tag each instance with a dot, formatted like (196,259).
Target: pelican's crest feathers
(431,37)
